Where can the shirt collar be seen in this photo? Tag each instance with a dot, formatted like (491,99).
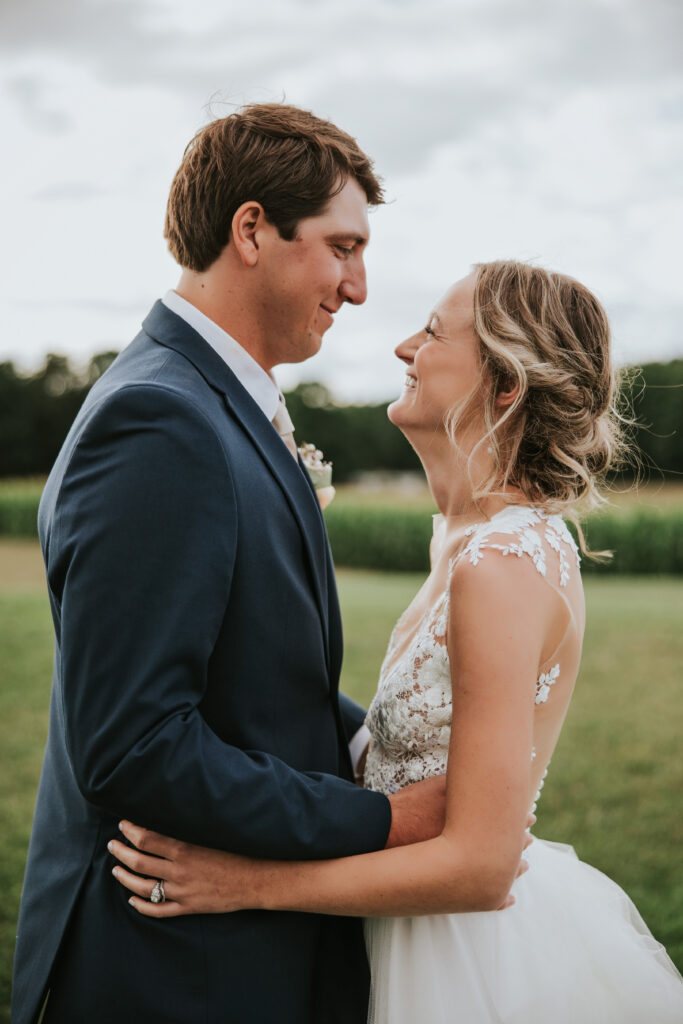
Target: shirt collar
(253,378)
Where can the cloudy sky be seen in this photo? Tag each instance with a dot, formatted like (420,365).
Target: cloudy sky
(539,129)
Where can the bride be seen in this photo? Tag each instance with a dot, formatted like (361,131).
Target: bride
(508,400)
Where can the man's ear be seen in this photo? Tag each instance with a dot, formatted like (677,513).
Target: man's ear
(507,396)
(247,221)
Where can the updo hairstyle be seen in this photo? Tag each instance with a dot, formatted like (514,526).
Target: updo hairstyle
(547,335)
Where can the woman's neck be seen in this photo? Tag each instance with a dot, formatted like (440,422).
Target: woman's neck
(452,483)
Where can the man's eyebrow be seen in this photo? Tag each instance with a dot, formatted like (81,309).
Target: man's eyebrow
(347,236)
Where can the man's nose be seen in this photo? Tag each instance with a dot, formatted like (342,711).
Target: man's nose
(354,287)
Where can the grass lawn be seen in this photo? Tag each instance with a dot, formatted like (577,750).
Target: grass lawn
(614,785)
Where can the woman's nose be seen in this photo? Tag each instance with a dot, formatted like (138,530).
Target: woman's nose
(406,350)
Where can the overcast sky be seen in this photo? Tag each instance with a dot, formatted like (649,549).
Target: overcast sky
(536,129)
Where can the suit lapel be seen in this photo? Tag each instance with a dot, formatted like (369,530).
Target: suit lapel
(172,331)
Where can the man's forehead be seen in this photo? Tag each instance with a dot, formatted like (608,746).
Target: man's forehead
(346,214)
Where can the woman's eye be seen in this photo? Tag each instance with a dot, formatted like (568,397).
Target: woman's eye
(429,331)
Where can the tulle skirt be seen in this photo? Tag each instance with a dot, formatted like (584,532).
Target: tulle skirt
(572,950)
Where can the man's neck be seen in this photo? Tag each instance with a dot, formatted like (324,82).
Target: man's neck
(216,296)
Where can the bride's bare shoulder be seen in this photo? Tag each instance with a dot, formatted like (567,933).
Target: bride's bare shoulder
(505,581)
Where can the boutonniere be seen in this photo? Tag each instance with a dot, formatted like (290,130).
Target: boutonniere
(319,471)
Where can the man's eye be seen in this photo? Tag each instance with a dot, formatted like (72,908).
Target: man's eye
(345,250)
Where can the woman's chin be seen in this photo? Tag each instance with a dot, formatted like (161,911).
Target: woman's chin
(399,411)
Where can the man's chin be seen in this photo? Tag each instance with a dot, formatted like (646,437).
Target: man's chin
(300,353)
(311,347)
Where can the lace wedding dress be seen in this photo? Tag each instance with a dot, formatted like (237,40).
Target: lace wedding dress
(573,949)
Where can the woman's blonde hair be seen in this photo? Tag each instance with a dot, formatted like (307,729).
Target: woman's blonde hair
(544,339)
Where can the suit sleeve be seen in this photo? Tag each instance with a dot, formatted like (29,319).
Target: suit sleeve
(140,557)
(352,715)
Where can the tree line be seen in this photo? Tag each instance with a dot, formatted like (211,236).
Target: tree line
(36,411)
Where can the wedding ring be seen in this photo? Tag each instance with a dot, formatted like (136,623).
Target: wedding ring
(158,895)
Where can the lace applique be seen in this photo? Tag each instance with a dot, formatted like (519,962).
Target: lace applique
(520,520)
(410,716)
(555,538)
(545,681)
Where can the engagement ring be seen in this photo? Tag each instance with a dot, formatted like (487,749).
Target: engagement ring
(158,895)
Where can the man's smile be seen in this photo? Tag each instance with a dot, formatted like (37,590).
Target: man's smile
(329,313)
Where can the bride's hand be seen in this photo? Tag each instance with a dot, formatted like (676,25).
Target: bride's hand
(196,880)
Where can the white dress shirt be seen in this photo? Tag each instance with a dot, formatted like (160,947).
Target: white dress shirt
(251,376)
(265,392)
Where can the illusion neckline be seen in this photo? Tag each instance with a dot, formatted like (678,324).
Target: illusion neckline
(466,522)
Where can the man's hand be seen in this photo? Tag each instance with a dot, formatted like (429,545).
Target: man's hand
(418,812)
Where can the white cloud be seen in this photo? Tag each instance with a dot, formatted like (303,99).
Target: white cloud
(502,128)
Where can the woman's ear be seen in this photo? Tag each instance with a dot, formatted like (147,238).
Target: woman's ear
(246,222)
(507,395)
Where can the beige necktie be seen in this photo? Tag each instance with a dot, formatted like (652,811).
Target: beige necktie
(285,428)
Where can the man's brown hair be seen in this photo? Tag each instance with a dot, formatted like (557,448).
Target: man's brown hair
(286,159)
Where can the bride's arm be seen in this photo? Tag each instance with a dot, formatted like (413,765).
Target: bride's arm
(496,633)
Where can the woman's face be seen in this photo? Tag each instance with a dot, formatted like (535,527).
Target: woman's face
(442,363)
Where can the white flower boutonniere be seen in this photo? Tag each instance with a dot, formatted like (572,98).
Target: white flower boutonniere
(319,471)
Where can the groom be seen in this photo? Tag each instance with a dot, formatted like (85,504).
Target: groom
(198,638)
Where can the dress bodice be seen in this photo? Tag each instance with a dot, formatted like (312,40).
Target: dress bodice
(410,716)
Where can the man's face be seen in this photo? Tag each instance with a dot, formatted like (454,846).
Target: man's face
(304,282)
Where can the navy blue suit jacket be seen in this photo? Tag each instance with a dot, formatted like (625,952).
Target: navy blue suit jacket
(198,649)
